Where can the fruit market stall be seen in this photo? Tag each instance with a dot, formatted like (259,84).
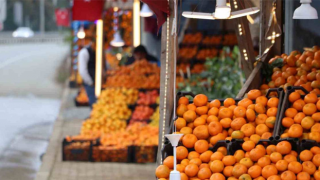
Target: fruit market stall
(123,124)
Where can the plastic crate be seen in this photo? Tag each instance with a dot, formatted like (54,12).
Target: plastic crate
(285,105)
(77,150)
(111,154)
(145,154)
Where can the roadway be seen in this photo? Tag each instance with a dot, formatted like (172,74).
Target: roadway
(29,104)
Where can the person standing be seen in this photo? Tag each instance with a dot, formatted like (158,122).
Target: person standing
(87,69)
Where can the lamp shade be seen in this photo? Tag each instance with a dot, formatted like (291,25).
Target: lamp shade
(117,40)
(145,11)
(222,11)
(81,34)
(305,11)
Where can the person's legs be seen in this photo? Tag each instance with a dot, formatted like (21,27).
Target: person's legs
(90,94)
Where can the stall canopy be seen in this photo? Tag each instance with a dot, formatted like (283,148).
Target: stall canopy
(160,8)
(87,10)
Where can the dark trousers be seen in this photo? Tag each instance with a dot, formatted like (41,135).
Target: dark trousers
(90,93)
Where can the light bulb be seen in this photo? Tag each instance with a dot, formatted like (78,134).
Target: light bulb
(81,34)
(223,11)
(274,29)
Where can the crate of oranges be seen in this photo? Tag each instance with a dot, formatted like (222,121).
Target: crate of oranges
(286,159)
(300,115)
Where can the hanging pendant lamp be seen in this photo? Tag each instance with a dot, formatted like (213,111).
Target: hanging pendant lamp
(81,34)
(274,29)
(117,40)
(222,11)
(145,11)
(305,11)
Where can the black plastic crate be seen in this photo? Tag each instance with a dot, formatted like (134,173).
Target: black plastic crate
(285,105)
(144,154)
(77,150)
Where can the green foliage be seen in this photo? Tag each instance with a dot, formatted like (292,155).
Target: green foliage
(222,78)
(267,69)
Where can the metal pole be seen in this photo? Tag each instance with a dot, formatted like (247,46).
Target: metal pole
(42,17)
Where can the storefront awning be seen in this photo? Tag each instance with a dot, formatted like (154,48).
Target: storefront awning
(87,10)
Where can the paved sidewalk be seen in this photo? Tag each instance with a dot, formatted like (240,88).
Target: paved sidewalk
(69,123)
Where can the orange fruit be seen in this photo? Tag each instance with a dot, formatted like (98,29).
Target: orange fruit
(251,106)
(212,118)
(290,158)
(202,110)
(232,107)
(226,122)
(262,128)
(262,100)
(269,170)
(318,103)
(199,121)
(184,176)
(282,165)
(294,153)
(223,150)
(261,118)
(295,131)
(195,161)
(229,102)
(239,111)
(203,165)
(180,168)
(314,136)
(217,176)
(192,155)
(238,155)
(255,138)
(283,147)
(182,152)
(215,128)
(237,123)
(248,145)
(245,102)
(162,171)
(315,150)
(227,171)
(238,170)
(272,111)
(295,167)
(257,153)
(309,109)
(191,107)
(180,123)
(306,155)
(288,175)
(274,177)
(191,170)
(254,171)
(287,122)
(316,160)
(189,140)
(248,130)
(271,148)
(204,173)
(225,113)
(190,125)
(270,121)
(168,161)
(298,104)
(308,167)
(251,115)
(245,177)
(298,117)
(213,111)
(260,108)
(217,166)
(316,116)
(190,115)
(273,102)
(201,146)
(186,130)
(185,162)
(201,132)
(254,94)
(217,156)
(216,138)
(182,108)
(294,96)
(183,100)
(311,98)
(229,160)
(205,157)
(215,103)
(263,161)
(200,100)
(291,112)
(303,176)
(316,175)
(275,157)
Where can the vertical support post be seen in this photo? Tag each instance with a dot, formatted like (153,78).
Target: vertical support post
(42,16)
(244,38)
(166,79)
(136,23)
(99,57)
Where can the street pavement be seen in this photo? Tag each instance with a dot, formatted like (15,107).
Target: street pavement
(29,105)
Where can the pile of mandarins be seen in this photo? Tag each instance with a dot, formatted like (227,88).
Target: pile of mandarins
(257,162)
(252,118)
(302,117)
(297,70)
